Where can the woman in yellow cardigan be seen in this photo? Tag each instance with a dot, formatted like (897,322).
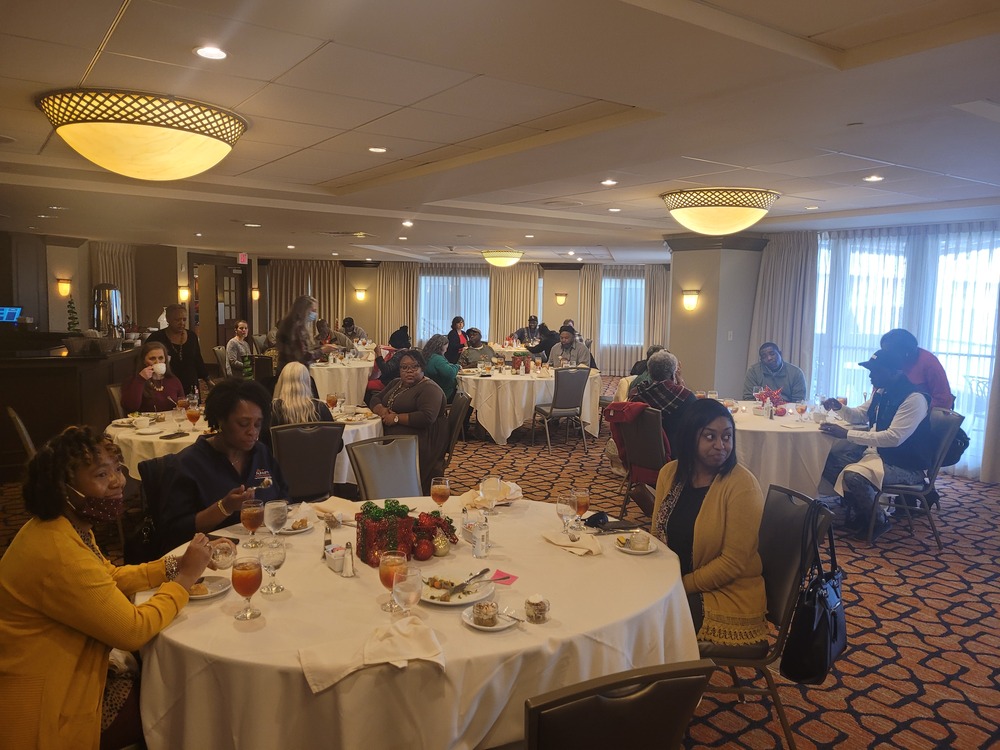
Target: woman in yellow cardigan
(63,606)
(708,510)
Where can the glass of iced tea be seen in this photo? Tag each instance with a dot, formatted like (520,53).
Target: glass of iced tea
(252,518)
(331,401)
(800,409)
(581,496)
(193,414)
(247,576)
(440,490)
(388,563)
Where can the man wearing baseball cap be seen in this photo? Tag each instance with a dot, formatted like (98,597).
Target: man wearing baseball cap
(529,333)
(889,441)
(476,351)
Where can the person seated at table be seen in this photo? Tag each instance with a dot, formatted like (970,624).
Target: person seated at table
(572,324)
(476,351)
(639,368)
(183,349)
(439,369)
(221,470)
(529,333)
(352,331)
(547,339)
(889,441)
(708,510)
(662,392)
(64,606)
(774,373)
(921,367)
(415,405)
(154,387)
(296,342)
(569,351)
(327,335)
(236,349)
(400,338)
(457,340)
(293,402)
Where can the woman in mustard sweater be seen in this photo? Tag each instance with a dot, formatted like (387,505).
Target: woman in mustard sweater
(708,510)
(64,607)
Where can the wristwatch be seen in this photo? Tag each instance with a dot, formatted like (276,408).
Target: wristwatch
(395,419)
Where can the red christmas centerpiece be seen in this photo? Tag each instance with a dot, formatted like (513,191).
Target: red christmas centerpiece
(767,393)
(381,529)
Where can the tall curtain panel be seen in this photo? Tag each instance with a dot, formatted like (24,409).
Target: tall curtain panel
(329,282)
(623,314)
(513,297)
(447,290)
(657,305)
(396,286)
(322,279)
(783,311)
(588,322)
(113,263)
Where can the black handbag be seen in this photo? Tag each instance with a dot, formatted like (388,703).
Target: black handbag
(818,633)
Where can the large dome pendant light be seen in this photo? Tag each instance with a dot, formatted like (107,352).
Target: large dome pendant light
(718,211)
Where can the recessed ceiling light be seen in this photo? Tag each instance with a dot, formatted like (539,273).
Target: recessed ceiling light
(609,182)
(210,53)
(197,234)
(570,252)
(57,208)
(407,223)
(614,210)
(378,149)
(290,247)
(45,216)
(31,227)
(334,253)
(812,208)
(529,236)
(402,238)
(252,226)
(368,260)
(873,178)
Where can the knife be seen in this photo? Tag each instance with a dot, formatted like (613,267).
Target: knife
(459,588)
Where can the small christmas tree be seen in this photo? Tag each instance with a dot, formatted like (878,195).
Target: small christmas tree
(73,320)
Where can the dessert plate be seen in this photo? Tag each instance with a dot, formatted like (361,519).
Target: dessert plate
(502,622)
(629,551)
(474,592)
(216,585)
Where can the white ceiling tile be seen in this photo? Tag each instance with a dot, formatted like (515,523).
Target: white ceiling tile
(430,126)
(502,101)
(313,108)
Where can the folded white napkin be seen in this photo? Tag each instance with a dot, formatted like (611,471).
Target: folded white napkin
(334,504)
(404,640)
(509,492)
(587,544)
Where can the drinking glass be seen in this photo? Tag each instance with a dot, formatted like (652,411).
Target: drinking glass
(275,516)
(490,489)
(341,400)
(223,556)
(407,585)
(440,490)
(565,509)
(581,498)
(481,366)
(272,557)
(331,401)
(714,395)
(252,516)
(800,409)
(247,576)
(388,564)
(193,414)
(699,394)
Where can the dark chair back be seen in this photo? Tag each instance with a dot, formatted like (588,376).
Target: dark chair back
(307,454)
(645,452)
(156,475)
(648,707)
(22,433)
(456,418)
(259,342)
(386,467)
(115,397)
(570,384)
(220,357)
(944,427)
(263,368)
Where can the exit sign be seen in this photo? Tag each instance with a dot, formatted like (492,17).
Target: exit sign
(242,259)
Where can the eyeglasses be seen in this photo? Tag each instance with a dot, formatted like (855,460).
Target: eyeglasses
(408,368)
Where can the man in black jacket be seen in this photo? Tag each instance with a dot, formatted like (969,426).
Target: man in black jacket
(890,443)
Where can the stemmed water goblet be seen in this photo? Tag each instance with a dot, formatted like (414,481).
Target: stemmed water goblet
(247,577)
(275,516)
(565,509)
(407,585)
(272,557)
(490,488)
(252,516)
(388,564)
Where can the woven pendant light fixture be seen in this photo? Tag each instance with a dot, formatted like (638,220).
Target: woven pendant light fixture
(502,258)
(718,211)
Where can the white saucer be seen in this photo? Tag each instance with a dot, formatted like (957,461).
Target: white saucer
(149,431)
(502,622)
(630,551)
(216,585)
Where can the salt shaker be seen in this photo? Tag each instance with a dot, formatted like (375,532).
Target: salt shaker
(348,571)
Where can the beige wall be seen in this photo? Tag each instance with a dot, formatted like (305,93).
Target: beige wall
(71,263)
(155,282)
(560,281)
(363,311)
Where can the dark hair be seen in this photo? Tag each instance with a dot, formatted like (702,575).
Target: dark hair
(226,395)
(544,330)
(568,329)
(417,356)
(348,322)
(653,349)
(457,319)
(770,344)
(154,345)
(175,307)
(434,344)
(50,470)
(900,340)
(685,448)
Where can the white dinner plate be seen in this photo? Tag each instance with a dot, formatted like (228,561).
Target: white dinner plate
(630,551)
(149,431)
(124,422)
(288,530)
(502,622)
(473,593)
(216,585)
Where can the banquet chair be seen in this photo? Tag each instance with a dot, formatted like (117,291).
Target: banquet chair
(115,396)
(640,708)
(567,401)
(784,569)
(220,357)
(259,342)
(456,420)
(22,433)
(156,475)
(263,367)
(944,427)
(307,454)
(645,451)
(386,467)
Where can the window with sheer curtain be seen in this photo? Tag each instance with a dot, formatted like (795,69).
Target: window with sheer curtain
(939,282)
(623,318)
(451,289)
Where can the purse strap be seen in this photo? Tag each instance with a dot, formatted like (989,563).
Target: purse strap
(810,542)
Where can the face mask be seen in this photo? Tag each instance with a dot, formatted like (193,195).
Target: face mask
(98,508)
(312,316)
(160,368)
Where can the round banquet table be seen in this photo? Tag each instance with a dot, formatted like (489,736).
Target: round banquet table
(210,681)
(505,402)
(350,378)
(783,450)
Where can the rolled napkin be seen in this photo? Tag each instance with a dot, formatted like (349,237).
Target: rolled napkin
(587,544)
(509,492)
(397,644)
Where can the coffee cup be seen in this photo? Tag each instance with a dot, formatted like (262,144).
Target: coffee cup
(350,410)
(141,422)
(160,368)
(639,542)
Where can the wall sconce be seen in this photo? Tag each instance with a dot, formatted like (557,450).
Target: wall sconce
(690,298)
(561,298)
(183,293)
(255,294)
(63,287)
(360,294)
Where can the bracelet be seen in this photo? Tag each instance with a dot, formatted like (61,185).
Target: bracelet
(171,566)
(221,506)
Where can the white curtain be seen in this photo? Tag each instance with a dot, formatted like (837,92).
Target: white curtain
(657,305)
(396,286)
(786,297)
(513,297)
(623,312)
(588,322)
(447,290)
(113,263)
(322,279)
(941,283)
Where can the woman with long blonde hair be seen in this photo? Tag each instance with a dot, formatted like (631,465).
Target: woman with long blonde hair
(293,401)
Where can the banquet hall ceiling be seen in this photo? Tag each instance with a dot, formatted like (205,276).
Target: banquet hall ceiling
(502,117)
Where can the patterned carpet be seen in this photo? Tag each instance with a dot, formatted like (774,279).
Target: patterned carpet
(923,663)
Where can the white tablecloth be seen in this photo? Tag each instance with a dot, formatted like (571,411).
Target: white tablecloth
(505,402)
(782,450)
(210,681)
(350,378)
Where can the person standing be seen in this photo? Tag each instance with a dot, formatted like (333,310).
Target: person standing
(183,349)
(921,367)
(457,340)
(236,349)
(774,373)
(296,342)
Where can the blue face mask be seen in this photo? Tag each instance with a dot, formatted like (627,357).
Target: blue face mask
(312,316)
